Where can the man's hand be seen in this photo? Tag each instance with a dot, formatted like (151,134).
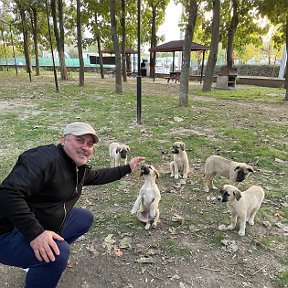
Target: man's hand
(135,161)
(44,245)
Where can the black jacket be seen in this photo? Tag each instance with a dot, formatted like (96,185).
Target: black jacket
(43,186)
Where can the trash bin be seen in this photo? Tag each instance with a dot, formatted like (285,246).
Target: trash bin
(226,79)
(144,68)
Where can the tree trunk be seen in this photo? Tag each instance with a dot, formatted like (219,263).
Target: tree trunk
(26,44)
(212,59)
(34,24)
(79,45)
(184,79)
(116,48)
(286,76)
(59,36)
(99,47)
(153,43)
(231,33)
(124,72)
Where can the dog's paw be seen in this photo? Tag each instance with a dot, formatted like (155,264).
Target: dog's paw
(176,176)
(172,175)
(241,233)
(230,227)
(147,226)
(222,227)
(251,222)
(133,212)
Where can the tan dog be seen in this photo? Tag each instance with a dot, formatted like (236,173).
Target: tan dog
(147,202)
(242,205)
(118,154)
(234,171)
(180,165)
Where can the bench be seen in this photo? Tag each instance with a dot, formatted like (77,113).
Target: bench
(173,76)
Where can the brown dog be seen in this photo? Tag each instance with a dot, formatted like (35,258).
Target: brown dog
(242,205)
(217,165)
(147,202)
(180,165)
(118,154)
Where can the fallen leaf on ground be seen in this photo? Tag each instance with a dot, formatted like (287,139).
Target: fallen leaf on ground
(117,252)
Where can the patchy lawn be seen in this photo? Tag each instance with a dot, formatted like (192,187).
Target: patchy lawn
(186,249)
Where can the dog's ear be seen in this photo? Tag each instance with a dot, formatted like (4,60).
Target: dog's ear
(237,194)
(182,146)
(237,168)
(250,169)
(157,174)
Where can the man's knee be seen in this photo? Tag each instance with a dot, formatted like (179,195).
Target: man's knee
(61,260)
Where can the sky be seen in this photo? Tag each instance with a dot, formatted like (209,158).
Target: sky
(170,27)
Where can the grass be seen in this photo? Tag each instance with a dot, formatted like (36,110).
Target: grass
(246,124)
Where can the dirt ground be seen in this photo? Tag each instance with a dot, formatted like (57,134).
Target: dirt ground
(237,262)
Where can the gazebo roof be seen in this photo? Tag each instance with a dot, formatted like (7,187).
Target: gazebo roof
(127,51)
(177,45)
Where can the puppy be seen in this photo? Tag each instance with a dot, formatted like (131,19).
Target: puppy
(234,171)
(180,165)
(146,204)
(241,205)
(118,154)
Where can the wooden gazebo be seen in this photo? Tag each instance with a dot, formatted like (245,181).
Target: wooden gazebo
(177,45)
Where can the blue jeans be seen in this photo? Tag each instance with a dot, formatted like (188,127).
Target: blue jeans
(16,251)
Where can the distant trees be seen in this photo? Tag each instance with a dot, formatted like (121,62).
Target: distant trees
(113,24)
(191,9)
(212,59)
(278,15)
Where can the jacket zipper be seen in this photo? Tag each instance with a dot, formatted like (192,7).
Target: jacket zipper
(77,179)
(64,204)
(65,214)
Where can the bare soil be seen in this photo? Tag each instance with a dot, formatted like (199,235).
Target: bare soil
(237,262)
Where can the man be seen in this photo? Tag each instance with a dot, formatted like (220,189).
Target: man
(37,219)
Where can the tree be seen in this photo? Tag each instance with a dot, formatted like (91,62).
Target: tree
(157,18)
(212,59)
(123,46)
(34,24)
(22,7)
(59,34)
(116,48)
(278,15)
(79,45)
(192,8)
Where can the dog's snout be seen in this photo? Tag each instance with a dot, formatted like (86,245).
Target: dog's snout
(175,150)
(144,170)
(240,176)
(123,154)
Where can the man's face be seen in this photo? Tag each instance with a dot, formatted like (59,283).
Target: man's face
(78,148)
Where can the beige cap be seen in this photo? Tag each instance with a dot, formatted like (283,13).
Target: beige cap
(80,128)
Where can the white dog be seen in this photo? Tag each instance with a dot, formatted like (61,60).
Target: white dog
(118,154)
(146,204)
(180,165)
(234,171)
(242,205)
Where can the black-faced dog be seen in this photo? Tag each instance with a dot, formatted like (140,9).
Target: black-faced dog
(180,164)
(242,205)
(118,154)
(217,165)
(147,202)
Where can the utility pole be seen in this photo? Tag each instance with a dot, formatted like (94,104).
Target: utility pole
(139,100)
